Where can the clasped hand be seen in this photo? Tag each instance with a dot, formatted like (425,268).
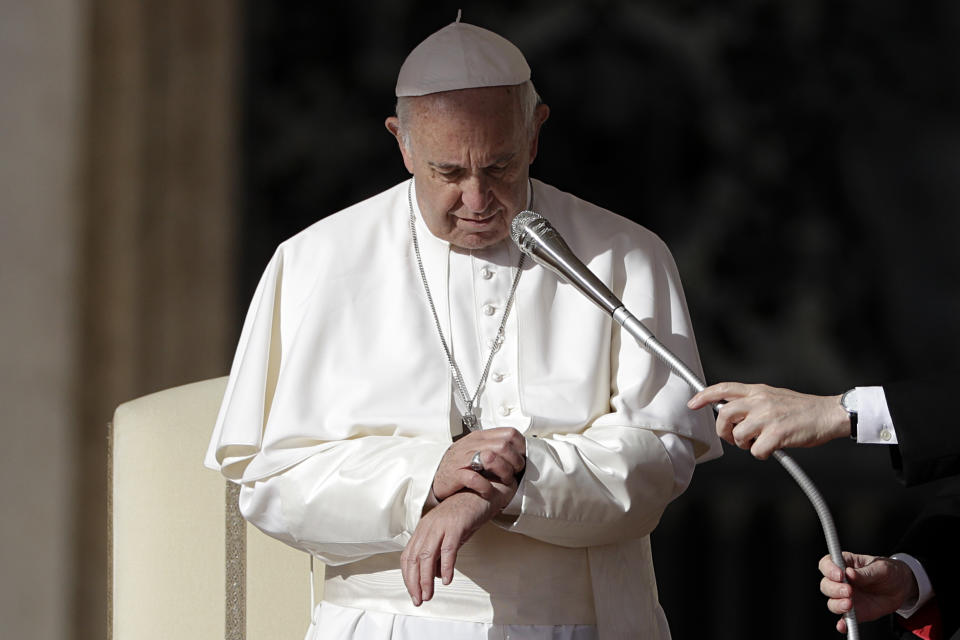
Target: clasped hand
(463,500)
(503,454)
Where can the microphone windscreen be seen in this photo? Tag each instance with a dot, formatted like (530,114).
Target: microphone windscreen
(521,222)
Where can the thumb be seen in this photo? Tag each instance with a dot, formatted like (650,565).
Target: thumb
(866,575)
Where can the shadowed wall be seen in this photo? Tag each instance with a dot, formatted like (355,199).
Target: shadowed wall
(41,61)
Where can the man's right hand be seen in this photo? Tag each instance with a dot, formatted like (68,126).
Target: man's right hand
(765,419)
(503,454)
(876,586)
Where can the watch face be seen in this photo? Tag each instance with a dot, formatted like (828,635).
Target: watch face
(849,401)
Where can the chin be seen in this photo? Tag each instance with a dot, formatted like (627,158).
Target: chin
(466,239)
(474,241)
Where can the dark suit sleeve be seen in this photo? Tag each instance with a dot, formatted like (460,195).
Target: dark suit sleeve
(932,539)
(928,429)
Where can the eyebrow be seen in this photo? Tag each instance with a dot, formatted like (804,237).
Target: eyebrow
(447,166)
(444,166)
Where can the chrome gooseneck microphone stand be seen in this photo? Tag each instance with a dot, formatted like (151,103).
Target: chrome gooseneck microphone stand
(537,238)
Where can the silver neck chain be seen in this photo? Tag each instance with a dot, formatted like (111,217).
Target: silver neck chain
(469,419)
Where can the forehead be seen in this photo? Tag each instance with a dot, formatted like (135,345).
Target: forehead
(467,112)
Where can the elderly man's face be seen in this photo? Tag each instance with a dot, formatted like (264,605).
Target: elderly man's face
(470,152)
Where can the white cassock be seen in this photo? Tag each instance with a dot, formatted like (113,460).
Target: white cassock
(340,406)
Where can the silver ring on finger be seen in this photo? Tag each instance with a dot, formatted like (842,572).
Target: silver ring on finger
(476,464)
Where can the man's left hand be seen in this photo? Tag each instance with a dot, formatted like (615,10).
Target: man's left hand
(432,551)
(877,586)
(502,452)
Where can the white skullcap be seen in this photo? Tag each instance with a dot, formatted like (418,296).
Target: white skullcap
(461,56)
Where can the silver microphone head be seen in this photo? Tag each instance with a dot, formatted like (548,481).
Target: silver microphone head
(537,238)
(526,225)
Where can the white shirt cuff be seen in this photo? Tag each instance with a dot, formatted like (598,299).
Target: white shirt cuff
(680,452)
(924,588)
(874,424)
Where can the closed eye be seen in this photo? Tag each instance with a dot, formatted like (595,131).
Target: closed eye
(501,164)
(448,172)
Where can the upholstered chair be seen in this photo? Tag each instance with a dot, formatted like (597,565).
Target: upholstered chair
(183,562)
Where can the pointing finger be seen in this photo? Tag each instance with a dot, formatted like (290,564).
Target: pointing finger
(716,393)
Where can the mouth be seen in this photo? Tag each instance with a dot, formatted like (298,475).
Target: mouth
(479,222)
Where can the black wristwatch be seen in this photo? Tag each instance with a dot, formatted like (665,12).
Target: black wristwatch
(849,402)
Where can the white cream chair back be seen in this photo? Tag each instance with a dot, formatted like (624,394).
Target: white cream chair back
(183,562)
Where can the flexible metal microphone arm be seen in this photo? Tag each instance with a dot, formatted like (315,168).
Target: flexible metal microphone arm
(537,238)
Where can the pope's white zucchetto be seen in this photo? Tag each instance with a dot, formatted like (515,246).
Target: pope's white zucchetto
(461,56)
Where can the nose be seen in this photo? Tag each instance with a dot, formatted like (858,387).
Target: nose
(476,194)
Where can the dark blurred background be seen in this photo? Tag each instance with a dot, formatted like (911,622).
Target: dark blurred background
(800,157)
(802,161)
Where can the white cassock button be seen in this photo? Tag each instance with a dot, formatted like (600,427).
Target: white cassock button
(885,435)
(489,309)
(486,273)
(504,410)
(497,377)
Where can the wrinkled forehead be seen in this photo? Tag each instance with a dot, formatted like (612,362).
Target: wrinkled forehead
(485,104)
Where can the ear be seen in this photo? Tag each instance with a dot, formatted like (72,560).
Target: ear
(393,126)
(540,116)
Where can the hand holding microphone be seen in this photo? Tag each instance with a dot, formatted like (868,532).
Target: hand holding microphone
(537,238)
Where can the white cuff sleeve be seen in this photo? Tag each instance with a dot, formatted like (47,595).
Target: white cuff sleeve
(924,588)
(513,509)
(683,459)
(874,424)
(680,452)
